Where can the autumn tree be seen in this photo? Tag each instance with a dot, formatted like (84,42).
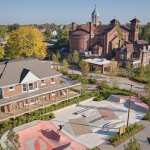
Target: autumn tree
(147,88)
(26,41)
(3,30)
(133,145)
(1,52)
(12,142)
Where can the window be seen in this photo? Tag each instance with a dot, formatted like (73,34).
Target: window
(141,56)
(144,63)
(132,26)
(145,56)
(52,80)
(11,88)
(24,87)
(36,85)
(148,47)
(32,101)
(81,50)
(144,48)
(122,56)
(134,55)
(121,63)
(42,82)
(148,54)
(31,86)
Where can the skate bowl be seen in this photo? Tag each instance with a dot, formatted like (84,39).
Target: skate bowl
(136,103)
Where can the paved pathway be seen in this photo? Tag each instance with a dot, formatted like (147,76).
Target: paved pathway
(141,137)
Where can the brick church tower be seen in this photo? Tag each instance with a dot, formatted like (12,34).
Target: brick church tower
(95,16)
(134,29)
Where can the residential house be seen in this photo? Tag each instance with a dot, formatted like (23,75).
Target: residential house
(136,53)
(29,84)
(53,32)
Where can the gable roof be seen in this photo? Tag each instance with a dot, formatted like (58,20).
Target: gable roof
(114,21)
(14,71)
(135,20)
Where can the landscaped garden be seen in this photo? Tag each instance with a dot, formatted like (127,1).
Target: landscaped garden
(132,129)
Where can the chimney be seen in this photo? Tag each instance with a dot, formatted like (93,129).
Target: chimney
(73,26)
(91,27)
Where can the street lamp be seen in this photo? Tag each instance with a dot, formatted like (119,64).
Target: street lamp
(129,106)
(49,58)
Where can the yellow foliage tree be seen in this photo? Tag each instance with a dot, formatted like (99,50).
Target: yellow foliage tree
(1,52)
(26,41)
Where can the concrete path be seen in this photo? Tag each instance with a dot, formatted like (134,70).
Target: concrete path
(141,137)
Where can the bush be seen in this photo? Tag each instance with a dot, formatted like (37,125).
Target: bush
(19,122)
(115,139)
(140,79)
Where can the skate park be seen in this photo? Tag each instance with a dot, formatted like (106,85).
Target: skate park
(84,126)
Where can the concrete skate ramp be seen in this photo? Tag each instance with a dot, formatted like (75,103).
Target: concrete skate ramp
(44,136)
(136,103)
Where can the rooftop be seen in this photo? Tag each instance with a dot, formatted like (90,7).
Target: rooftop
(98,61)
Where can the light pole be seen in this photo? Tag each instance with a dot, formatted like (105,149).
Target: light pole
(49,58)
(129,106)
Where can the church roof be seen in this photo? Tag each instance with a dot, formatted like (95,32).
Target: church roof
(114,21)
(135,20)
(95,12)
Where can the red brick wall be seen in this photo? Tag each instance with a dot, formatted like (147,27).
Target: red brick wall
(18,90)
(48,82)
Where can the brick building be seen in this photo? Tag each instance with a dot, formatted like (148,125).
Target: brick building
(136,53)
(29,84)
(100,40)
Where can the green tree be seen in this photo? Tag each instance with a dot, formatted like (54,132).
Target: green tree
(82,65)
(64,65)
(48,34)
(128,66)
(54,58)
(147,88)
(100,23)
(145,35)
(26,41)
(12,142)
(60,44)
(133,145)
(97,71)
(84,82)
(13,27)
(57,57)
(76,58)
(85,69)
(1,52)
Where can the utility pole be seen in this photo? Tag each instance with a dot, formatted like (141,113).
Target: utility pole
(49,58)
(91,72)
(127,69)
(129,106)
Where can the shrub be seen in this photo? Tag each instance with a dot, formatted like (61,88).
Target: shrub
(15,122)
(51,115)
(19,122)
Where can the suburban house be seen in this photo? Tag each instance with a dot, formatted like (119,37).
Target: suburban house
(53,32)
(29,84)
(136,53)
(42,30)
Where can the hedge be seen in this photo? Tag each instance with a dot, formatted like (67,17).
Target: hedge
(108,90)
(140,79)
(115,139)
(124,75)
(147,101)
(78,78)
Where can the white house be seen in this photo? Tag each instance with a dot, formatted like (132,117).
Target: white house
(53,32)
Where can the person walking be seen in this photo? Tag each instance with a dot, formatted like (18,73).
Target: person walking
(60,128)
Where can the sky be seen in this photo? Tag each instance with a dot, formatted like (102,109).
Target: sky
(68,11)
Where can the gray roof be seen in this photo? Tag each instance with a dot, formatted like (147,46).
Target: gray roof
(14,71)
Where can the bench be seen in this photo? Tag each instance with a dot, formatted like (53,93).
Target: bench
(97,119)
(88,114)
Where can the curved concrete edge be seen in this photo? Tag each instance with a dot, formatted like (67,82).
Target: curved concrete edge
(73,105)
(16,129)
(125,102)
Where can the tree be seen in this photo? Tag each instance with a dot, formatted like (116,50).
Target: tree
(60,44)
(48,34)
(12,142)
(142,72)
(13,27)
(26,41)
(82,65)
(113,70)
(145,33)
(76,58)
(57,57)
(97,71)
(133,145)
(100,23)
(64,65)
(84,82)
(88,23)
(1,52)
(54,58)
(85,69)
(128,66)
(3,31)
(147,88)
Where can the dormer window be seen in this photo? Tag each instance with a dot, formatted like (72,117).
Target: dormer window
(31,87)
(52,80)
(11,88)
(24,88)
(121,49)
(132,55)
(42,82)
(148,47)
(144,48)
